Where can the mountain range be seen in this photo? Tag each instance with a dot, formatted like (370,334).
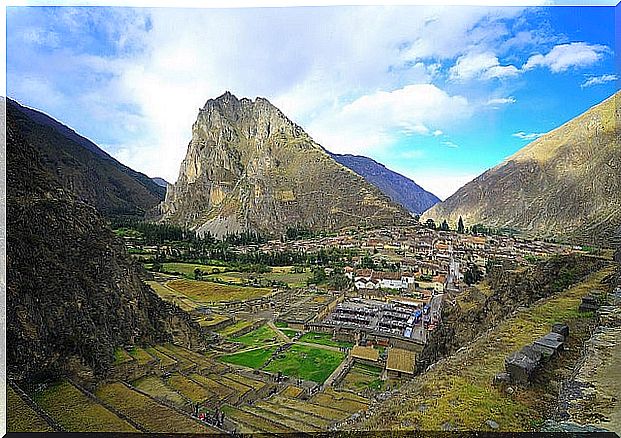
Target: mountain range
(83,168)
(564,185)
(397,187)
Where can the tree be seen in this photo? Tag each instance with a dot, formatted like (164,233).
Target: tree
(473,274)
(430,224)
(444,226)
(198,274)
(460,226)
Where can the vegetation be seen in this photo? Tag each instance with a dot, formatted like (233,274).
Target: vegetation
(75,412)
(21,417)
(257,337)
(306,363)
(323,339)
(156,388)
(250,358)
(208,292)
(151,415)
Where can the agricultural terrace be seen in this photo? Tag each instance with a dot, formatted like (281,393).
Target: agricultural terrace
(208,292)
(361,377)
(323,339)
(258,337)
(76,412)
(231,330)
(250,358)
(21,417)
(173,296)
(307,363)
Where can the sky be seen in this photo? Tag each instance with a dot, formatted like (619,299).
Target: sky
(437,93)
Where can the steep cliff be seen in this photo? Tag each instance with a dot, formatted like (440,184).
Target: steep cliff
(73,294)
(397,187)
(83,168)
(566,184)
(249,167)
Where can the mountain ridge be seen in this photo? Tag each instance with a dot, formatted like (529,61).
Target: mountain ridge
(396,186)
(564,185)
(82,167)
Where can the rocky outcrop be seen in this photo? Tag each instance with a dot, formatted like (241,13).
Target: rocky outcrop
(248,167)
(510,289)
(565,185)
(73,294)
(82,168)
(397,187)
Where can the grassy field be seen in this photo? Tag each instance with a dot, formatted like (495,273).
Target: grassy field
(234,328)
(289,332)
(121,356)
(78,413)
(362,377)
(153,416)
(21,417)
(323,339)
(141,356)
(251,359)
(156,388)
(208,292)
(306,363)
(459,390)
(188,388)
(173,296)
(258,337)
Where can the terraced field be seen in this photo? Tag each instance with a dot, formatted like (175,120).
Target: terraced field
(158,389)
(306,363)
(362,377)
(232,330)
(250,358)
(150,414)
(21,417)
(208,292)
(76,412)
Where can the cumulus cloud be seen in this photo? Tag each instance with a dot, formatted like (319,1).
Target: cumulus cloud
(598,80)
(373,120)
(481,66)
(565,56)
(528,136)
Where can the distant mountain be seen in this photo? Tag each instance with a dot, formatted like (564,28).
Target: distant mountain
(248,167)
(83,168)
(74,293)
(397,187)
(566,184)
(160,181)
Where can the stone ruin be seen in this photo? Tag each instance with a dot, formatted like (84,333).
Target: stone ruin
(520,366)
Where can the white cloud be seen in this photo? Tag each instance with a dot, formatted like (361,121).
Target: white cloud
(450,144)
(565,56)
(481,66)
(497,101)
(373,120)
(528,136)
(598,80)
(441,182)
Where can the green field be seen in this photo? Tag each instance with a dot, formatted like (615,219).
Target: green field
(78,413)
(21,417)
(234,328)
(289,332)
(323,339)
(208,292)
(362,377)
(251,358)
(258,337)
(306,363)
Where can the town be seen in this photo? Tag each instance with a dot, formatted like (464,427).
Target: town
(308,342)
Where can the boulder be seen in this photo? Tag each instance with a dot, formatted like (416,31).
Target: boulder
(589,304)
(550,344)
(561,328)
(521,365)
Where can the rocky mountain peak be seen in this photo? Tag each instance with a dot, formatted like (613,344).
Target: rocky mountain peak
(249,167)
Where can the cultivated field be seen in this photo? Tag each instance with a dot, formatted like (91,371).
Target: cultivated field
(306,363)
(208,292)
(21,417)
(74,411)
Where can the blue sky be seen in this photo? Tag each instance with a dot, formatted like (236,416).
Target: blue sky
(437,93)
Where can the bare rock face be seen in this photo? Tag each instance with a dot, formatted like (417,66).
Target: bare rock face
(566,184)
(248,167)
(73,294)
